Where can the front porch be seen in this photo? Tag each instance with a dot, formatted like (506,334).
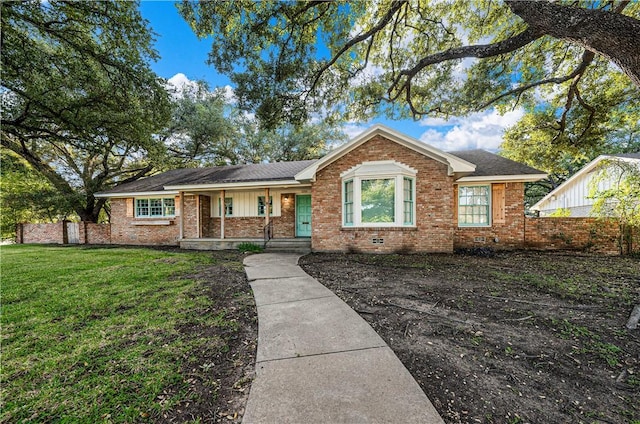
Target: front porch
(275,218)
(299,245)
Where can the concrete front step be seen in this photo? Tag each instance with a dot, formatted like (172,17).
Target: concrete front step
(295,245)
(289,245)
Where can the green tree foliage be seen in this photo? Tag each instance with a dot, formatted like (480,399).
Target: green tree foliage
(80,103)
(615,189)
(207,128)
(26,196)
(417,58)
(200,131)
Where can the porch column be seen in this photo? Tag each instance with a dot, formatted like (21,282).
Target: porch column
(223,213)
(267,206)
(181,220)
(198,219)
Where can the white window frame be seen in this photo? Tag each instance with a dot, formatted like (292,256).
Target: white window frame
(379,170)
(228,206)
(264,206)
(163,204)
(489,206)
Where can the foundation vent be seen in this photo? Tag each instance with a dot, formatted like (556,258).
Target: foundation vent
(377,241)
(479,239)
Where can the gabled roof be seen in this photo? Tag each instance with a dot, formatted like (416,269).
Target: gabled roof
(206,178)
(492,167)
(591,166)
(473,165)
(457,166)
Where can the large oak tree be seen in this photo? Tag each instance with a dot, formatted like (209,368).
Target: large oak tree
(80,103)
(421,58)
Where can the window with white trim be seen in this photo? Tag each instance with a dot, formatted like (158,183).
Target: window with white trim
(155,207)
(348,202)
(228,206)
(262,206)
(378,194)
(474,206)
(408,201)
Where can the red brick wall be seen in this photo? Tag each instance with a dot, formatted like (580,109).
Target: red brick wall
(434,216)
(124,230)
(574,234)
(284,226)
(507,235)
(40,233)
(91,233)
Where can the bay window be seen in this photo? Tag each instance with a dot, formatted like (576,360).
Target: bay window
(378,194)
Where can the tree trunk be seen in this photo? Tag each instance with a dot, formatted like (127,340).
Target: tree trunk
(90,212)
(609,34)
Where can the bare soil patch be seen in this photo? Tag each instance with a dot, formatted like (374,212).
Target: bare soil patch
(518,337)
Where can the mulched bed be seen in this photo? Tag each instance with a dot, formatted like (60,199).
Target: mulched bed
(519,337)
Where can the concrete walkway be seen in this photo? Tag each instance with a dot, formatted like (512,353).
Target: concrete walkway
(317,360)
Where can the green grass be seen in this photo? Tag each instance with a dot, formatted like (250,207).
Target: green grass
(90,335)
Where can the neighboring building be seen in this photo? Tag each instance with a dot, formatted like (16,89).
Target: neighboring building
(573,194)
(381,192)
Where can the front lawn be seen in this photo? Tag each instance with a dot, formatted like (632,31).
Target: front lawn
(123,334)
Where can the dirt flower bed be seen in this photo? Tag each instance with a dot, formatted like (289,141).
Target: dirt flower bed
(520,337)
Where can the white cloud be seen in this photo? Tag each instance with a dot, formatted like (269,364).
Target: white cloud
(179,83)
(481,130)
(353,130)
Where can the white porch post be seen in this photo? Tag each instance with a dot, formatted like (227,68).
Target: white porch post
(267,206)
(223,213)
(198,226)
(181,220)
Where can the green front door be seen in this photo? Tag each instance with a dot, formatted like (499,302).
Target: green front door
(303,215)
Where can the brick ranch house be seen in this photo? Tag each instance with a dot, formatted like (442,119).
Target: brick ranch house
(381,192)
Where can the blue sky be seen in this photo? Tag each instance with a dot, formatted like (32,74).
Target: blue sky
(182,53)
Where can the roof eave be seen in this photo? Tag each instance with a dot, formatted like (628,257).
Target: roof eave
(134,194)
(235,185)
(525,178)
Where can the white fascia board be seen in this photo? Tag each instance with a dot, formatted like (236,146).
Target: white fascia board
(135,194)
(525,178)
(242,185)
(455,164)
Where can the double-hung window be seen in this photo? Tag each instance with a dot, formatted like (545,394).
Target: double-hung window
(474,205)
(378,194)
(262,207)
(155,207)
(228,206)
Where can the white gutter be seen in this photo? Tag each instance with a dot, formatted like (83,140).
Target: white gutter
(221,186)
(503,178)
(136,194)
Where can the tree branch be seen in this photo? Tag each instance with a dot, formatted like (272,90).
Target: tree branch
(478,51)
(382,23)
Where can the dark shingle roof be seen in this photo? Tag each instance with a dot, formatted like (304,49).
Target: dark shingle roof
(277,171)
(489,164)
